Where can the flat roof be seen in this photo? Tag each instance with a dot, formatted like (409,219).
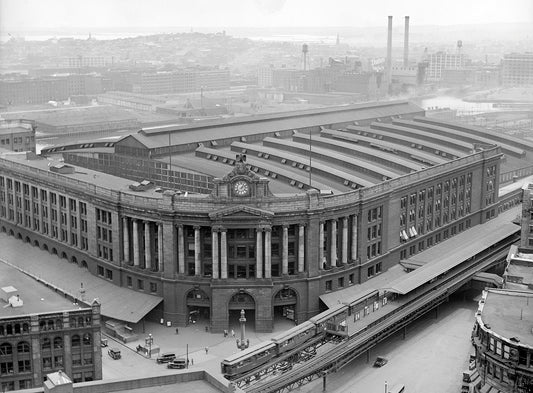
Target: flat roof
(452,252)
(84,175)
(37,297)
(116,302)
(509,314)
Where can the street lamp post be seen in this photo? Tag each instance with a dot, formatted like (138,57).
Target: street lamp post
(242,344)
(149,341)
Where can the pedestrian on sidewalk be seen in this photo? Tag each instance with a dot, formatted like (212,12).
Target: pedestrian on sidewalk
(225,333)
(233,333)
(206,350)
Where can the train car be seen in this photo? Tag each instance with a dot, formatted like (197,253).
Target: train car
(294,337)
(247,360)
(333,320)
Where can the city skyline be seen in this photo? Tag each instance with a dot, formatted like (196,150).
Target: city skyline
(60,14)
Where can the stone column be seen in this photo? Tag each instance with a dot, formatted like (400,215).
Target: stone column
(197,262)
(301,248)
(285,251)
(259,253)
(159,246)
(181,251)
(268,253)
(126,238)
(214,252)
(345,240)
(333,243)
(168,262)
(69,223)
(147,246)
(135,243)
(223,254)
(354,237)
(321,245)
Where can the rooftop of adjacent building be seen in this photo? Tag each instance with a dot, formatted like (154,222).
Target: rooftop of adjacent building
(86,178)
(36,298)
(508,313)
(519,267)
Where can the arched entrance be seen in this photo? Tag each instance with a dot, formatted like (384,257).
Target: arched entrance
(198,307)
(74,260)
(241,301)
(36,243)
(84,265)
(27,239)
(285,302)
(11,233)
(64,255)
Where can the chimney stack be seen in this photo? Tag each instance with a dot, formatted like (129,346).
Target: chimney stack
(389,54)
(406,43)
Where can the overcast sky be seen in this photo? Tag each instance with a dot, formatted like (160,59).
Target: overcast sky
(20,15)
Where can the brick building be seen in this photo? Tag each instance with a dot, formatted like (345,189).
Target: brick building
(46,333)
(17,135)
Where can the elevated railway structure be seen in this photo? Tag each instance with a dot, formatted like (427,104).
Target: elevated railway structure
(352,327)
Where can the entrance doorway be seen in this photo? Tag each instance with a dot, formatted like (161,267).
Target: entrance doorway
(198,308)
(285,302)
(241,301)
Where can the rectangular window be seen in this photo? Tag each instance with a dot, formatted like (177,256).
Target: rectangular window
(341,282)
(350,279)
(153,287)
(100,270)
(140,284)
(58,361)
(129,281)
(370,271)
(24,366)
(109,274)
(329,285)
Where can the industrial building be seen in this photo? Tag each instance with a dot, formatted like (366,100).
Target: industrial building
(517,69)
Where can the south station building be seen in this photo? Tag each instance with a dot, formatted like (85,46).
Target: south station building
(264,214)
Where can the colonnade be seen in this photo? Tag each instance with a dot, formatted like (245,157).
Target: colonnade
(150,257)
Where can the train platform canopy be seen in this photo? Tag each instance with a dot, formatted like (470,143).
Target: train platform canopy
(452,252)
(346,295)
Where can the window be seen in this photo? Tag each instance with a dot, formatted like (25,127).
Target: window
(370,271)
(140,284)
(6,349)
(76,341)
(24,366)
(350,279)
(76,359)
(109,274)
(153,287)
(329,285)
(87,358)
(58,361)
(129,281)
(378,268)
(87,339)
(23,347)
(341,282)
(47,362)
(100,270)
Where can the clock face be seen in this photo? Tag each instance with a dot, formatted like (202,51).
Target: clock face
(241,188)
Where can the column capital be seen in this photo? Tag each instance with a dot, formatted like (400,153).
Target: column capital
(179,226)
(285,226)
(196,227)
(302,224)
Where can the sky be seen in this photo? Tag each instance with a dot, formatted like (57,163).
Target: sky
(27,15)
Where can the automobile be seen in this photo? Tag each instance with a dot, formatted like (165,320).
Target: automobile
(380,361)
(166,357)
(177,363)
(103,342)
(114,353)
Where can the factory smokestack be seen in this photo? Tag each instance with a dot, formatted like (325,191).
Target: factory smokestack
(388,64)
(406,43)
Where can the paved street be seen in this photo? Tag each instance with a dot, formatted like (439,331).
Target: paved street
(430,359)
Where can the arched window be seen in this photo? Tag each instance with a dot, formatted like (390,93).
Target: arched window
(45,343)
(75,341)
(81,322)
(50,324)
(42,325)
(6,349)
(87,339)
(23,347)
(58,343)
(9,330)
(59,324)
(17,328)
(2,330)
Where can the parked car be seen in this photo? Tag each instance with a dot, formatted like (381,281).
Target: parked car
(177,363)
(114,353)
(166,357)
(380,361)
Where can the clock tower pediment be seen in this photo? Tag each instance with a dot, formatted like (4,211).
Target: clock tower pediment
(241,183)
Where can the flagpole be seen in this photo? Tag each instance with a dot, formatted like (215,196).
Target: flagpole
(310,133)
